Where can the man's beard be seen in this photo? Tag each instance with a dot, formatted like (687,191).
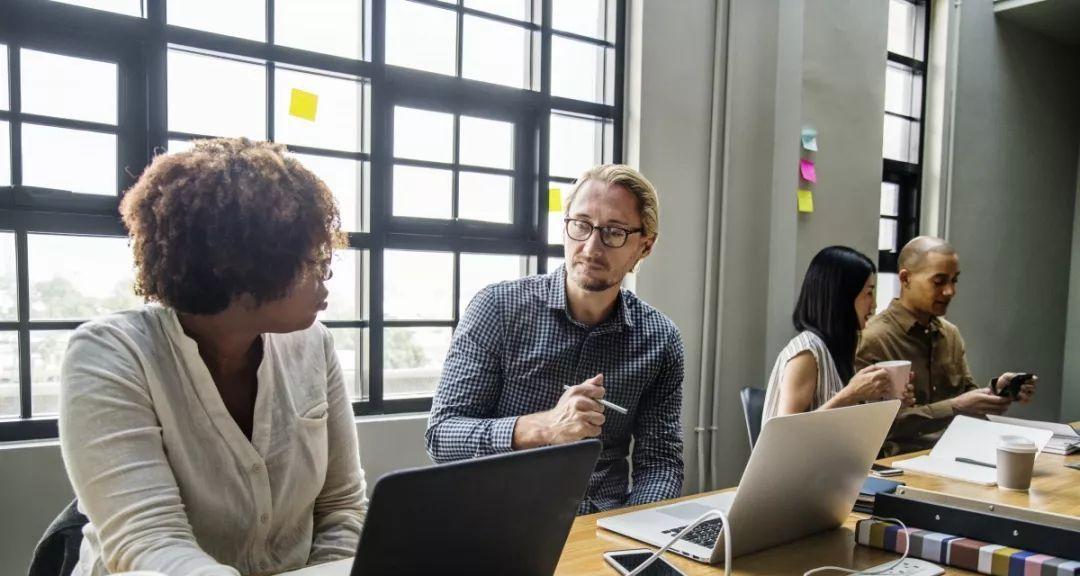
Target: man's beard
(591,284)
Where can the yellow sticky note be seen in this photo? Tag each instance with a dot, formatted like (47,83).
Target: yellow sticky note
(554,200)
(303,104)
(806,201)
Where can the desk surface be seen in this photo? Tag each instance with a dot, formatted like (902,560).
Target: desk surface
(1054,488)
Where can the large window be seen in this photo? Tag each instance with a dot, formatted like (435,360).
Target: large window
(448,132)
(905,97)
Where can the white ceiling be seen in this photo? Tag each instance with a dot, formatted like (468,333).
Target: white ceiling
(1058,19)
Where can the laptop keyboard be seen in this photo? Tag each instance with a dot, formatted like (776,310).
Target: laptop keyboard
(705,534)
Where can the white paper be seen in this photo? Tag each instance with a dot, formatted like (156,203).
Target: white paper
(974,439)
(1063,430)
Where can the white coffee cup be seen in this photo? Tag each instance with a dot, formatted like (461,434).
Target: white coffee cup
(1015,462)
(899,374)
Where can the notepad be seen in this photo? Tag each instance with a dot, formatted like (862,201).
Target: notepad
(974,439)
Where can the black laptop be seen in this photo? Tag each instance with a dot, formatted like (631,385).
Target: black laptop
(504,514)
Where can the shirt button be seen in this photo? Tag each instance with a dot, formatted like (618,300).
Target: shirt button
(264,518)
(256,468)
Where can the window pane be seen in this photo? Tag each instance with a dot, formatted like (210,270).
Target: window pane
(421,37)
(419,285)
(338,115)
(328,26)
(216,96)
(585,17)
(89,165)
(413,359)
(555,224)
(5,154)
(423,135)
(888,288)
(903,90)
(80,277)
(516,9)
(901,141)
(4,104)
(905,29)
(66,87)
(486,197)
(348,287)
(553,263)
(890,199)
(887,235)
(577,144)
(348,181)
(495,52)
(8,286)
(581,71)
(128,7)
(9,375)
(46,357)
(241,18)
(422,192)
(352,346)
(487,143)
(480,270)
(180,145)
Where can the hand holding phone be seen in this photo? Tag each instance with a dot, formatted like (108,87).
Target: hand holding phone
(625,561)
(1012,389)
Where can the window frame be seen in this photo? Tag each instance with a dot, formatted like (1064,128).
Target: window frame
(140,47)
(907,175)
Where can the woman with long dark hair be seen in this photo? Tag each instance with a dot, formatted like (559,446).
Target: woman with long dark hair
(836,300)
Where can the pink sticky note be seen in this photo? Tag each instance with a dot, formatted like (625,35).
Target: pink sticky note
(806,170)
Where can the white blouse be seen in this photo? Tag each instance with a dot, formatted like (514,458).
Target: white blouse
(170,482)
(828,377)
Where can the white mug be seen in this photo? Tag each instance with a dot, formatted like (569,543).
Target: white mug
(899,373)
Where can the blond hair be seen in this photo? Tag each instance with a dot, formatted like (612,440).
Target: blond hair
(632,180)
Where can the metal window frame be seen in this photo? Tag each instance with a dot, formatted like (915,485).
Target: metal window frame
(907,175)
(140,47)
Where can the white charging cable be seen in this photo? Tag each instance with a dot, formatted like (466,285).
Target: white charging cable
(882,570)
(727,541)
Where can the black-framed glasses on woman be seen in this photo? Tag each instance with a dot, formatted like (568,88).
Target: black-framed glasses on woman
(610,236)
(322,269)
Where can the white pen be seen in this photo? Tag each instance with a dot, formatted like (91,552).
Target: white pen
(614,407)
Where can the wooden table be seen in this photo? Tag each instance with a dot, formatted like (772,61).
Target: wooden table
(1054,488)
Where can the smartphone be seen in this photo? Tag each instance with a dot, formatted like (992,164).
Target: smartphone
(885,470)
(1013,389)
(625,561)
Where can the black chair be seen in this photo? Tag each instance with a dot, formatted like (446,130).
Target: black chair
(58,551)
(753,404)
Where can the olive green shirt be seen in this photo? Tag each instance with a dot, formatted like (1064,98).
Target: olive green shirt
(941,372)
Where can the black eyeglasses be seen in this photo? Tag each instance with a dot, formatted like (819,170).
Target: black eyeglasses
(322,269)
(610,236)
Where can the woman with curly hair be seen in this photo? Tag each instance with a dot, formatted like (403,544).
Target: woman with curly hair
(210,432)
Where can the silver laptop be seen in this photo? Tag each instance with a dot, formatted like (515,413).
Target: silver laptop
(803,477)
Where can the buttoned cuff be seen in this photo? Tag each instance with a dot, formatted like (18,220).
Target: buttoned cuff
(941,409)
(502,434)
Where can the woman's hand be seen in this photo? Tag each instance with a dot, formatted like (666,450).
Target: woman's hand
(869,385)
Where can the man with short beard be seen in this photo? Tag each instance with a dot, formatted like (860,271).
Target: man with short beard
(520,343)
(913,328)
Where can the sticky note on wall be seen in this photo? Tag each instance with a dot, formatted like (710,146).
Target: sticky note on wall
(806,201)
(807,171)
(809,139)
(303,104)
(554,200)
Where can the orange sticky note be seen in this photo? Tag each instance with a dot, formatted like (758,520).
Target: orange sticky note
(806,201)
(554,200)
(303,104)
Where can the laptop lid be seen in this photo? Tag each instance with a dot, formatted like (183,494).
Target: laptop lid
(805,473)
(502,514)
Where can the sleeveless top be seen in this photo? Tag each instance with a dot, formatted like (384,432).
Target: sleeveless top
(828,378)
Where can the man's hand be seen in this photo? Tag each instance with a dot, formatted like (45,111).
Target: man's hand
(1027,389)
(980,402)
(578,415)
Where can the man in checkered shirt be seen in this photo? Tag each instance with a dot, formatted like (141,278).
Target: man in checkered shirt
(520,342)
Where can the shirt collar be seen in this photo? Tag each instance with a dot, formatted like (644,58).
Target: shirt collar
(908,321)
(556,300)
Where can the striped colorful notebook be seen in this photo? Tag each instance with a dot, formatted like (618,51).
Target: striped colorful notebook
(965,553)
